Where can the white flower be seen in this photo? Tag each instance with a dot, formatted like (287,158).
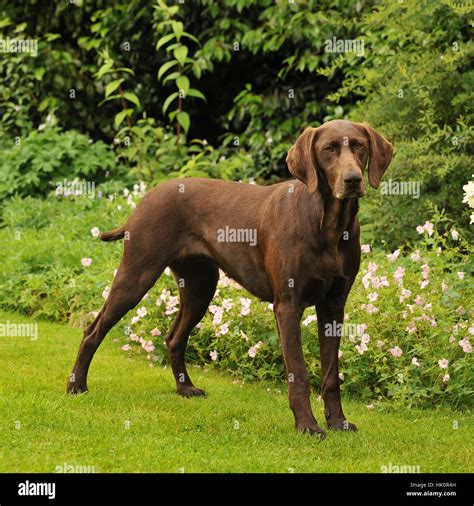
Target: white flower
(443,363)
(414,361)
(455,234)
(213,355)
(393,256)
(396,351)
(253,350)
(95,232)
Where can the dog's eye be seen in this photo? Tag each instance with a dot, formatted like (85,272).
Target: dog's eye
(358,146)
(329,149)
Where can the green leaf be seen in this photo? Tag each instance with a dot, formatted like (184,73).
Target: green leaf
(165,67)
(195,93)
(178,29)
(183,84)
(112,86)
(192,37)
(164,40)
(39,73)
(173,76)
(169,100)
(180,54)
(131,97)
(183,120)
(119,118)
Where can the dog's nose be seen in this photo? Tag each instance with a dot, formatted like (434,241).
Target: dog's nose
(352,179)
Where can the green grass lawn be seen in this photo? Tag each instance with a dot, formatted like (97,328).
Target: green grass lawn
(133,421)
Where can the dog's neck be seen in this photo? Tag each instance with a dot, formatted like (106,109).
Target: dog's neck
(337,220)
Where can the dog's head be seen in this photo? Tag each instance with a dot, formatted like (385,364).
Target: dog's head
(337,153)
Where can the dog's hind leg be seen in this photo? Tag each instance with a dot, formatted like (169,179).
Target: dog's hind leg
(197,281)
(127,290)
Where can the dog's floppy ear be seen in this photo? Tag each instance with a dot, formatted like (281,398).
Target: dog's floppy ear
(380,155)
(301,159)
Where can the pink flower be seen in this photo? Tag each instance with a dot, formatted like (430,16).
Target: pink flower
(416,256)
(405,294)
(427,227)
(443,363)
(213,355)
(444,287)
(245,306)
(224,329)
(424,284)
(227,304)
(148,346)
(419,301)
(365,339)
(370,308)
(135,319)
(399,273)
(127,347)
(253,350)
(86,262)
(411,328)
(155,332)
(142,311)
(365,248)
(414,361)
(373,296)
(309,319)
(396,351)
(446,378)
(461,275)
(361,348)
(105,293)
(95,232)
(134,337)
(465,345)
(393,256)
(372,267)
(425,268)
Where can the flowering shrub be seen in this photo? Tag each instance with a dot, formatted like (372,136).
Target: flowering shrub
(407,335)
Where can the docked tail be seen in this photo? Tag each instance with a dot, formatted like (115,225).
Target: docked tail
(113,235)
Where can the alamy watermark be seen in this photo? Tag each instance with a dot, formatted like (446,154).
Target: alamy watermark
(336,45)
(19,46)
(335,329)
(228,234)
(395,468)
(391,187)
(76,188)
(9,329)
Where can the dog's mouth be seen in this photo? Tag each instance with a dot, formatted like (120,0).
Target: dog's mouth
(350,194)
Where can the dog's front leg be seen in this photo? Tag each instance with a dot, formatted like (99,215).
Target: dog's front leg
(330,317)
(288,320)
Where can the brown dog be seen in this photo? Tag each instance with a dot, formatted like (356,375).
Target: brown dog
(295,244)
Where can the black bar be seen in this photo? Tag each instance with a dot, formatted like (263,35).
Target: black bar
(239,489)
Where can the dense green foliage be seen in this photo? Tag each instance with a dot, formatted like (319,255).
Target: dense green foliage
(246,77)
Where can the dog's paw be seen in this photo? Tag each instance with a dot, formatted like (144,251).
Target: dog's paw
(190,391)
(75,388)
(342,425)
(311,428)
